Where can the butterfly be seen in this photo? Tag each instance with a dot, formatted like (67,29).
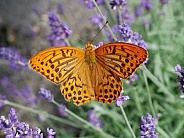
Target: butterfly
(92,73)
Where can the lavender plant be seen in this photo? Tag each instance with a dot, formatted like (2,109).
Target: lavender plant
(153,90)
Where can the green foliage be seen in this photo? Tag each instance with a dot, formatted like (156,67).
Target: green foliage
(156,91)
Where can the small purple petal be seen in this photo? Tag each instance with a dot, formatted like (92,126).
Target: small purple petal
(177,68)
(62,110)
(94,119)
(46,94)
(50,133)
(121,99)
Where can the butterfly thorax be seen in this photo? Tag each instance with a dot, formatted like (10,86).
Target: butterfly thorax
(90,54)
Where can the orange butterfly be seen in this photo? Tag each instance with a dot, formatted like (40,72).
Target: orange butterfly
(89,74)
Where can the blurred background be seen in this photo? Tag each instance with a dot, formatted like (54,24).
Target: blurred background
(24,27)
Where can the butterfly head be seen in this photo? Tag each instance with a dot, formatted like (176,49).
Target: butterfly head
(89,47)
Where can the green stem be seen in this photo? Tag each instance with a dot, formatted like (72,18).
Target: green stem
(162,132)
(26,108)
(149,95)
(112,34)
(67,42)
(127,122)
(110,12)
(46,114)
(158,83)
(120,17)
(85,122)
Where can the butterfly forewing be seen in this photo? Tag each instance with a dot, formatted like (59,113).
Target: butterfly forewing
(58,63)
(121,58)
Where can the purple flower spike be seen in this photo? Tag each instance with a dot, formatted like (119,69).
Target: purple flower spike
(125,32)
(137,11)
(46,94)
(50,133)
(117,3)
(60,8)
(36,11)
(90,4)
(121,99)
(132,79)
(16,60)
(15,129)
(97,19)
(147,4)
(177,68)
(180,79)
(62,110)
(147,127)
(94,119)
(59,31)
(163,2)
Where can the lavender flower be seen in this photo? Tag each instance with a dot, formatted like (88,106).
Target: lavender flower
(46,94)
(62,110)
(129,36)
(36,11)
(147,24)
(137,11)
(115,30)
(121,99)
(97,19)
(147,127)
(180,79)
(94,119)
(59,31)
(16,60)
(25,93)
(163,2)
(90,4)
(117,3)
(132,79)
(126,17)
(147,4)
(125,32)
(177,68)
(60,8)
(13,128)
(2,98)
(50,133)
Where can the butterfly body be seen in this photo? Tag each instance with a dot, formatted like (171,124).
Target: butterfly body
(90,55)
(89,74)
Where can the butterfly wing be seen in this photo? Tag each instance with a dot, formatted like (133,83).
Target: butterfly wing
(108,84)
(79,86)
(66,65)
(57,64)
(121,58)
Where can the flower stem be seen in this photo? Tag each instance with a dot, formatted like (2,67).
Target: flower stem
(127,122)
(120,17)
(85,122)
(39,112)
(112,34)
(159,84)
(149,95)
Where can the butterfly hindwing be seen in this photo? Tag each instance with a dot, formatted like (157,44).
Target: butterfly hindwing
(79,87)
(121,58)
(108,85)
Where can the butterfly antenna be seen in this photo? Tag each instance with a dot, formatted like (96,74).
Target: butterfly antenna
(75,35)
(99,31)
